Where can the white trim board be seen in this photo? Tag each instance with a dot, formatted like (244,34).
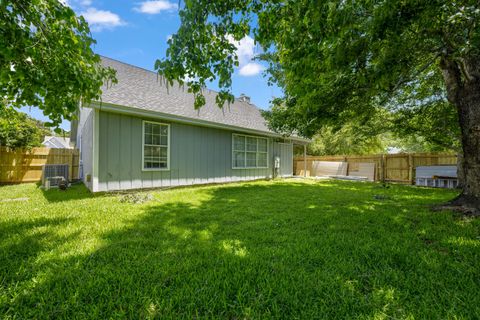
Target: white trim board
(96,150)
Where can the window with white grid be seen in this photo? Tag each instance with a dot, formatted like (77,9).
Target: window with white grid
(156,140)
(249,152)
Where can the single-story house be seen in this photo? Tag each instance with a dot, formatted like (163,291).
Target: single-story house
(57,142)
(144,134)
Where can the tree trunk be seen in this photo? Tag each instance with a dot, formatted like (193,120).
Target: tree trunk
(462,81)
(460,171)
(469,117)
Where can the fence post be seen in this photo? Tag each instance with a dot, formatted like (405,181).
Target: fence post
(305,161)
(410,168)
(382,168)
(72,156)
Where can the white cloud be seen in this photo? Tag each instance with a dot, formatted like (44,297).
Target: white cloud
(245,53)
(154,7)
(97,19)
(251,69)
(101,19)
(245,49)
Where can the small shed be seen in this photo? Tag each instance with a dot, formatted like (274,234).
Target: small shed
(436,176)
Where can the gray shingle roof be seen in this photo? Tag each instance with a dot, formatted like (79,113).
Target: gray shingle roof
(142,89)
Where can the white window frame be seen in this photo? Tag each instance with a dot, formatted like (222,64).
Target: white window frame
(143,146)
(245,151)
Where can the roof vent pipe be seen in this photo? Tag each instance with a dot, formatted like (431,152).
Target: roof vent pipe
(244,98)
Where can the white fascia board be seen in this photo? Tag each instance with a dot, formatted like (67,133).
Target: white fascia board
(95,150)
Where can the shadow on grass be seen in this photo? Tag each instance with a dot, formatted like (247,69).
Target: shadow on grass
(21,246)
(76,191)
(286,250)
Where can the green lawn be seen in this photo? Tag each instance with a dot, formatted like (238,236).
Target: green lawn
(287,249)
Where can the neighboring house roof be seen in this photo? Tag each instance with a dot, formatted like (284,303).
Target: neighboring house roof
(56,142)
(144,90)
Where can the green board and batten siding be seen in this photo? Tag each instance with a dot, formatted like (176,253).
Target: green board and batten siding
(198,155)
(286,160)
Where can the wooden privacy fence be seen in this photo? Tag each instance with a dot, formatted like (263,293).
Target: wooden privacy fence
(388,167)
(26,165)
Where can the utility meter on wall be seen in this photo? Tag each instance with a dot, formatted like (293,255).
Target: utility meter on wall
(277,162)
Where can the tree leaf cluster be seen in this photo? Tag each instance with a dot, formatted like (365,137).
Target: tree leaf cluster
(46,59)
(18,130)
(334,60)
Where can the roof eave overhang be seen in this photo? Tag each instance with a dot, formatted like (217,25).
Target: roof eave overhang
(110,107)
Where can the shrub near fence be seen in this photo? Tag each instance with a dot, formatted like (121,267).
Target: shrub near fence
(26,165)
(388,167)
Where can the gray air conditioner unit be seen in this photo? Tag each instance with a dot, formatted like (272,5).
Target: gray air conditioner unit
(54,174)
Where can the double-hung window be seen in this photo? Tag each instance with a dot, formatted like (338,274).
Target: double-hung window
(156,144)
(249,152)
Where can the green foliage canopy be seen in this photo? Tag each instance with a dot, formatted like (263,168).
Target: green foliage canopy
(46,59)
(345,141)
(18,130)
(334,59)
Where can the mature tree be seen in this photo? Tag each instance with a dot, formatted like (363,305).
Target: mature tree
(370,136)
(18,130)
(345,141)
(341,59)
(422,117)
(427,128)
(46,58)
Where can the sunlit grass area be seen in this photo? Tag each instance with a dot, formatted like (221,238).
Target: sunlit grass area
(288,249)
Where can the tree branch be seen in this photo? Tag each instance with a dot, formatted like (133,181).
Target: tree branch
(471,68)
(416,74)
(406,80)
(452,77)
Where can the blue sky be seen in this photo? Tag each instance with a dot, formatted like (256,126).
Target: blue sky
(136,32)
